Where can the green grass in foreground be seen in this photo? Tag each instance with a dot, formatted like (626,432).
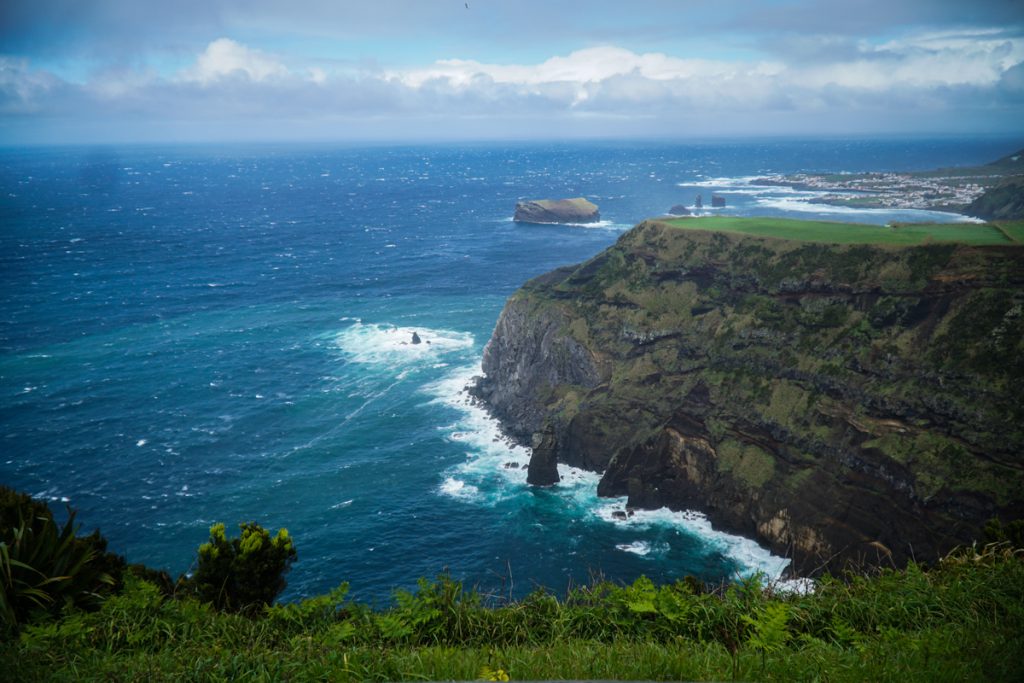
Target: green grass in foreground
(847,233)
(961,621)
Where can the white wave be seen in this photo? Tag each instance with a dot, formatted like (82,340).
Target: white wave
(493,462)
(801,205)
(495,470)
(636,547)
(603,224)
(389,345)
(457,488)
(751,556)
(737,181)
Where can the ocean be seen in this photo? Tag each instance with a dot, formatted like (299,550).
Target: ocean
(194,334)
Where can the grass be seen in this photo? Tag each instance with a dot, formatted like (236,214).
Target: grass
(961,621)
(1012,229)
(850,233)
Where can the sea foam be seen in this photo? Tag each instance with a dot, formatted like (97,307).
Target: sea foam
(495,471)
(390,345)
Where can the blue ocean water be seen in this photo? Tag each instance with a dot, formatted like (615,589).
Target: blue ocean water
(201,334)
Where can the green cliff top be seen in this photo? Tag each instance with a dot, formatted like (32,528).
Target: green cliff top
(856,233)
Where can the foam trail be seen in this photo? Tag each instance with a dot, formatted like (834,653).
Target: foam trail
(495,470)
(391,346)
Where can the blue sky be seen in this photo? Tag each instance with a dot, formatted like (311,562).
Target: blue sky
(86,71)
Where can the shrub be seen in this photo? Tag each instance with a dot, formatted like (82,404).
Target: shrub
(45,567)
(242,574)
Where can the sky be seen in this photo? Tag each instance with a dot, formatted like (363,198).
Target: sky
(94,71)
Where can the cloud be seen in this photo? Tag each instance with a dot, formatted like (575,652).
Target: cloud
(224,58)
(932,77)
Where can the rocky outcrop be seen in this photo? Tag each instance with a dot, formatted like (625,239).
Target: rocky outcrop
(1005,201)
(543,468)
(842,404)
(679,210)
(578,210)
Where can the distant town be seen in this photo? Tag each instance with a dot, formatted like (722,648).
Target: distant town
(890,190)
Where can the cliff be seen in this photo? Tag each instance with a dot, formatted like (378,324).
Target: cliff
(1005,201)
(578,210)
(842,404)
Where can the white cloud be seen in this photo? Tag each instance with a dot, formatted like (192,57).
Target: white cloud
(224,58)
(918,75)
(582,66)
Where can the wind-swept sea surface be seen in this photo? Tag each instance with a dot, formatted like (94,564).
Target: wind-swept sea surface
(200,334)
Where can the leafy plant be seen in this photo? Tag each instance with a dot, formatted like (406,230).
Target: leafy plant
(768,629)
(45,567)
(243,574)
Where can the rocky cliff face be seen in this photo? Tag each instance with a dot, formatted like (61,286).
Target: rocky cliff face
(1005,201)
(839,403)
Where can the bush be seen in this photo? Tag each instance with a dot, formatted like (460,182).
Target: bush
(242,574)
(44,567)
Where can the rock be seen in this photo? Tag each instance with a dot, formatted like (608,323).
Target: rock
(543,468)
(717,202)
(577,210)
(619,514)
(777,390)
(699,202)
(1005,201)
(679,210)
(416,338)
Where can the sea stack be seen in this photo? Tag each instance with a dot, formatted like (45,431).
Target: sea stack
(717,202)
(577,210)
(416,338)
(543,469)
(679,210)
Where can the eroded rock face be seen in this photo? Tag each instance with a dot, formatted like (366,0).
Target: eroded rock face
(842,404)
(578,210)
(543,469)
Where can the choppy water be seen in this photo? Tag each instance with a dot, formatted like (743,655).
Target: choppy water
(191,335)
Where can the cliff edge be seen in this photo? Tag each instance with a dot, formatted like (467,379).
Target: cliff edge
(842,404)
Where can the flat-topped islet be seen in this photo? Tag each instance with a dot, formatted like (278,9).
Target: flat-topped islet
(577,210)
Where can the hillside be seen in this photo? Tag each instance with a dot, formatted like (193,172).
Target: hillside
(841,403)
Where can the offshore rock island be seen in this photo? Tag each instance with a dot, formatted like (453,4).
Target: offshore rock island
(842,403)
(577,210)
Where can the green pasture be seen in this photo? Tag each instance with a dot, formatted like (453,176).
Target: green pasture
(855,233)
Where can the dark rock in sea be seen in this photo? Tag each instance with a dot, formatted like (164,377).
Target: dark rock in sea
(619,514)
(679,210)
(416,338)
(543,468)
(577,210)
(842,404)
(699,202)
(717,202)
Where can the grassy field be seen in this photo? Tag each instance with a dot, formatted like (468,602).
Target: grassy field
(1013,229)
(851,233)
(961,621)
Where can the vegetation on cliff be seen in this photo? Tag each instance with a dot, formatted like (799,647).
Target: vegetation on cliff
(1005,201)
(839,397)
(962,621)
(956,621)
